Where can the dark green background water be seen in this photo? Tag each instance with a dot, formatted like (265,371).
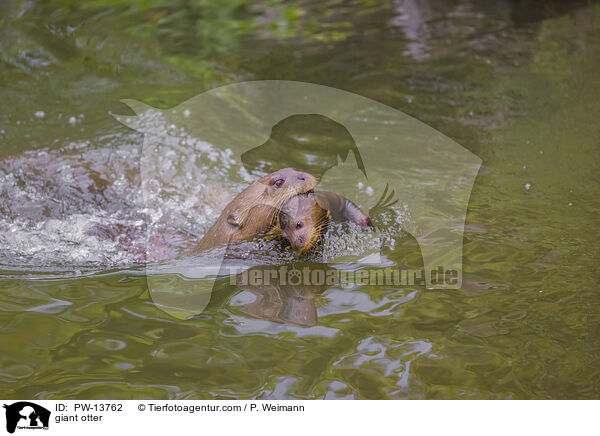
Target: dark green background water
(515,82)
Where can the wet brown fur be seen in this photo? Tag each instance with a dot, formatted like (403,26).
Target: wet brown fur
(304,218)
(302,221)
(254,211)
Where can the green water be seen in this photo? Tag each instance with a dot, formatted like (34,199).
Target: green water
(515,84)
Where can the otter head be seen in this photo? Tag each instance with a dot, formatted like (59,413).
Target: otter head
(302,221)
(285,183)
(268,194)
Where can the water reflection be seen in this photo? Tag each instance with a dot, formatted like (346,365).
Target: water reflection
(285,301)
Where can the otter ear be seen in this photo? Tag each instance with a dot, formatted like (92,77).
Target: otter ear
(234,220)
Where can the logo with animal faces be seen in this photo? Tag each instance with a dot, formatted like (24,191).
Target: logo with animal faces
(26,415)
(197,156)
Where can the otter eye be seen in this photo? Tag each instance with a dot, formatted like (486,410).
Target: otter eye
(299,225)
(278,183)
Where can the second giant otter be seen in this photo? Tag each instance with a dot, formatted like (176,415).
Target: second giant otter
(254,211)
(305,217)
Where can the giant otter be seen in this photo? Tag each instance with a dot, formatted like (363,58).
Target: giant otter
(254,211)
(305,217)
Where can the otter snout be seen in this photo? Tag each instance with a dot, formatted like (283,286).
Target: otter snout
(298,243)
